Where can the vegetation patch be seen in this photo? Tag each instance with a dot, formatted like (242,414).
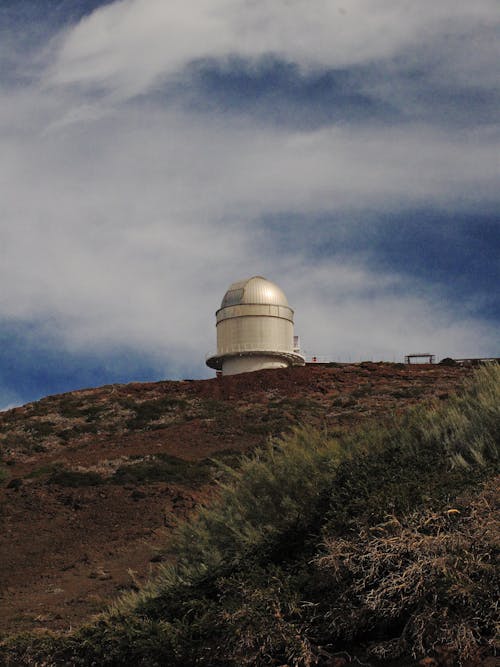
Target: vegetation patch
(67,434)
(70,407)
(141,470)
(150,411)
(225,458)
(434,569)
(45,471)
(362,390)
(75,478)
(343,401)
(92,412)
(16,441)
(163,468)
(408,392)
(40,429)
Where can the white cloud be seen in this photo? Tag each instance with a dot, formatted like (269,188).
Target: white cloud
(126,232)
(127,46)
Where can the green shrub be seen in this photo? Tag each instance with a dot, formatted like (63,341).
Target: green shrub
(448,361)
(16,441)
(92,412)
(40,429)
(362,390)
(75,478)
(224,458)
(162,468)
(408,392)
(77,430)
(149,411)
(45,470)
(70,407)
(344,401)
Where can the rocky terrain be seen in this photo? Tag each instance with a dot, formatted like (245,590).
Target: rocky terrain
(92,481)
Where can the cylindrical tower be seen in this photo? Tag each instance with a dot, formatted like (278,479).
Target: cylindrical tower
(254,329)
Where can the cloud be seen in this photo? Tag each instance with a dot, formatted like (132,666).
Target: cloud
(128,45)
(374,316)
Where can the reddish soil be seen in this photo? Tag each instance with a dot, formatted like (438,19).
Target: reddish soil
(69,545)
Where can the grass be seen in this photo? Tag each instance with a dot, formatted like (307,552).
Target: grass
(68,434)
(70,407)
(376,542)
(397,570)
(92,412)
(163,468)
(22,442)
(150,411)
(159,468)
(40,429)
(408,392)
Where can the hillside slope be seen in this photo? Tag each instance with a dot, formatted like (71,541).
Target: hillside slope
(373,544)
(94,479)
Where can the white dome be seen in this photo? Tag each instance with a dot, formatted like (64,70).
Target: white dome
(255,290)
(254,329)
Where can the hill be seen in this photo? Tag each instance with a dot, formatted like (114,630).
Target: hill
(88,470)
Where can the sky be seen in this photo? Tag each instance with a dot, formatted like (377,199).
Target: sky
(154,152)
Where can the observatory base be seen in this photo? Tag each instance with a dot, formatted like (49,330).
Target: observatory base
(236,365)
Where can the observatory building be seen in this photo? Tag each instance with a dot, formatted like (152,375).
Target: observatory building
(254,329)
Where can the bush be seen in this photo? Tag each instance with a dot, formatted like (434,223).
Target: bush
(70,407)
(149,411)
(432,569)
(162,468)
(75,478)
(45,470)
(40,429)
(448,361)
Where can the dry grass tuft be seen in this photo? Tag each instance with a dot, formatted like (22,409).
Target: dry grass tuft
(436,574)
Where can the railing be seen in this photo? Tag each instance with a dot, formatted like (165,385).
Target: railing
(314,359)
(247,347)
(420,355)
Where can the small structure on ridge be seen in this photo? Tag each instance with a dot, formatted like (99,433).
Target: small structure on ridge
(254,329)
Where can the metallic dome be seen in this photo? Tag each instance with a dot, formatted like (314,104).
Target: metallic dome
(255,290)
(254,329)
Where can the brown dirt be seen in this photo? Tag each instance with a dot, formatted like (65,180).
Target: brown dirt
(66,549)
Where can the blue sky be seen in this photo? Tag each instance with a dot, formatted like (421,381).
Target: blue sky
(153,153)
